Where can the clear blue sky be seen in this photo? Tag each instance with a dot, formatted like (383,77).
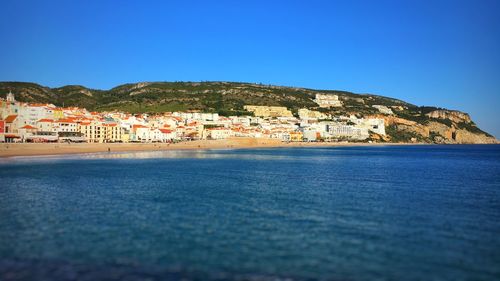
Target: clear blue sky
(442,53)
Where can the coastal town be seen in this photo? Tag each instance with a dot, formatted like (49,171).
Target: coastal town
(39,123)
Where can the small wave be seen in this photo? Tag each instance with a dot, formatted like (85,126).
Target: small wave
(31,269)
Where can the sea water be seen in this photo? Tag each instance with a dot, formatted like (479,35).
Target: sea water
(346,213)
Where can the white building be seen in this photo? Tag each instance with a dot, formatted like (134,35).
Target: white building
(141,133)
(31,113)
(327,100)
(376,125)
(26,131)
(347,131)
(218,133)
(310,134)
(65,125)
(45,125)
(383,109)
(305,113)
(165,135)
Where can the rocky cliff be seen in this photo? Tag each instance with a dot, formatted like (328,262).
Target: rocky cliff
(441,126)
(452,115)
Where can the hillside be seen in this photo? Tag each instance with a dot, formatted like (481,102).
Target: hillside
(408,121)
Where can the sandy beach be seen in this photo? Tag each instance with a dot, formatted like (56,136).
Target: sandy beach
(33,149)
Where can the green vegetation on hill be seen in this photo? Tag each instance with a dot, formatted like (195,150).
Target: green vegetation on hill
(203,96)
(471,127)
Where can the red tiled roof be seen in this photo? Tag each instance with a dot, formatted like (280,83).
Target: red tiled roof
(29,127)
(66,120)
(138,126)
(217,129)
(165,131)
(10,118)
(46,120)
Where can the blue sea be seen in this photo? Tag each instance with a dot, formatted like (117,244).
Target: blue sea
(345,213)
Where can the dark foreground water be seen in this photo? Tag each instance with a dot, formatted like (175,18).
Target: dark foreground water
(367,213)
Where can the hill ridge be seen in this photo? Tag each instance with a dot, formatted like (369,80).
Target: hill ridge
(229,98)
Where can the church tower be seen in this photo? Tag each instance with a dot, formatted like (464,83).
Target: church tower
(10,97)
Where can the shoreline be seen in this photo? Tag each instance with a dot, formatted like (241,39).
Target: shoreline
(44,149)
